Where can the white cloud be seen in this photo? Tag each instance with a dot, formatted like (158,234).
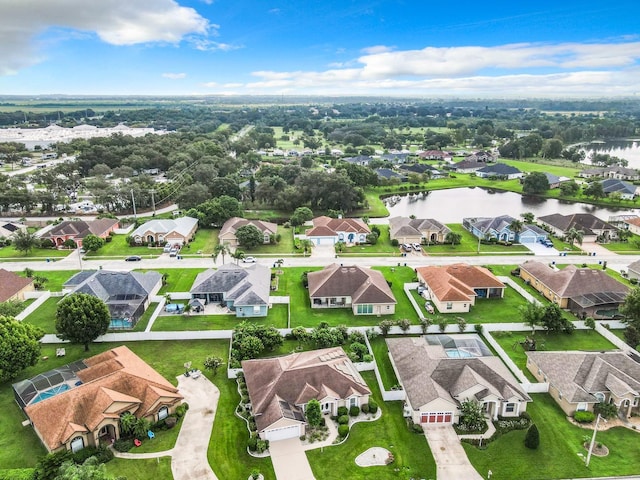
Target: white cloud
(174,76)
(376,49)
(207,45)
(117,22)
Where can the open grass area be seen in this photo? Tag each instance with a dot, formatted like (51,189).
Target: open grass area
(194,321)
(560,444)
(382,246)
(469,245)
(144,469)
(118,247)
(398,276)
(10,253)
(561,168)
(413,458)
(284,246)
(178,279)
(45,315)
(163,440)
(381,353)
(495,310)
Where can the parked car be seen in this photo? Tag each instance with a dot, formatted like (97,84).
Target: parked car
(133,258)
(429,308)
(406,247)
(249,259)
(417,247)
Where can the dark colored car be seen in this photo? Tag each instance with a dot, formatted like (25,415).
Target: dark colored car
(133,258)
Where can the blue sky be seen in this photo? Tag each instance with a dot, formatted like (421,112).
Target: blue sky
(344,47)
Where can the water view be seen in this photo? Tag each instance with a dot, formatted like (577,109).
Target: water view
(450,206)
(627,149)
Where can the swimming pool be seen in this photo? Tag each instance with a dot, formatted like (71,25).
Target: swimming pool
(456,353)
(120,323)
(52,392)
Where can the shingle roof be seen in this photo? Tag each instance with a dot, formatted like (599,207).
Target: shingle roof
(245,286)
(611,185)
(403,226)
(362,284)
(234,223)
(580,221)
(500,169)
(81,228)
(457,282)
(486,224)
(277,385)
(105,283)
(181,225)
(468,164)
(11,283)
(327,226)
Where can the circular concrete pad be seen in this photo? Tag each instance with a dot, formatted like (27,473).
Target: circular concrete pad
(373,456)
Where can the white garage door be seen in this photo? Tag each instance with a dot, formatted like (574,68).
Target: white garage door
(436,417)
(324,241)
(283,433)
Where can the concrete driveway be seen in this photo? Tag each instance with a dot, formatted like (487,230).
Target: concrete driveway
(451,460)
(289,460)
(540,249)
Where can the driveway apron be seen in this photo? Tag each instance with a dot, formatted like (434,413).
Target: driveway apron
(289,460)
(451,460)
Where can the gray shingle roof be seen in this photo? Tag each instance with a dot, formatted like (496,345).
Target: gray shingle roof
(246,286)
(362,284)
(580,221)
(181,225)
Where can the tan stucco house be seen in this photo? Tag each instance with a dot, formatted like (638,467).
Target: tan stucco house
(227,234)
(172,231)
(77,230)
(417,230)
(13,286)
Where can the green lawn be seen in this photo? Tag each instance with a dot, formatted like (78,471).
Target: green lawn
(179,279)
(118,247)
(163,440)
(383,246)
(277,317)
(144,469)
(381,353)
(495,310)
(557,456)
(143,321)
(630,247)
(10,253)
(45,315)
(412,454)
(55,278)
(469,245)
(284,246)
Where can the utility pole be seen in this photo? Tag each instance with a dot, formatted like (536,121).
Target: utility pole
(133,201)
(153,202)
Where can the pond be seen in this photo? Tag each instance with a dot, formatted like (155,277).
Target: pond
(451,206)
(626,149)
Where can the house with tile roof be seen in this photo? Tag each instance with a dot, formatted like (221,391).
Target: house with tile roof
(329,231)
(9,229)
(584,291)
(279,389)
(227,233)
(580,380)
(363,290)
(417,230)
(455,288)
(592,227)
(160,231)
(80,404)
(244,291)
(13,286)
(626,190)
(437,385)
(499,170)
(126,294)
(500,229)
(77,230)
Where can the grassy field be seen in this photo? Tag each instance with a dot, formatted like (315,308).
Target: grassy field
(145,469)
(118,247)
(381,352)
(469,245)
(179,279)
(10,253)
(277,317)
(45,315)
(284,246)
(413,458)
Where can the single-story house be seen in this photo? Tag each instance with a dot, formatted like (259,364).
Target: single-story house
(179,230)
(437,385)
(499,170)
(127,294)
(362,160)
(620,173)
(632,224)
(364,291)
(395,158)
(79,405)
(279,389)
(433,155)
(227,234)
(8,229)
(417,230)
(467,166)
(633,270)
(329,231)
(481,156)
(77,230)
(555,180)
(454,288)
(626,190)
(592,227)
(244,291)
(500,229)
(580,380)
(388,174)
(422,169)
(584,291)
(13,286)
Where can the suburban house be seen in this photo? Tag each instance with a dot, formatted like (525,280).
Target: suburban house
(632,224)
(79,405)
(481,156)
(633,270)
(329,231)
(77,230)
(8,229)
(433,155)
(584,291)
(454,288)
(179,230)
(468,166)
(593,229)
(361,289)
(620,173)
(436,385)
(417,230)
(388,174)
(499,170)
(394,158)
(227,233)
(555,180)
(13,286)
(580,380)
(626,190)
(500,228)
(244,291)
(280,388)
(423,169)
(362,160)
(127,294)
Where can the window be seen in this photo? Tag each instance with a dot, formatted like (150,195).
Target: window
(163,413)
(256,309)
(77,444)
(599,396)
(353,402)
(364,309)
(449,305)
(510,407)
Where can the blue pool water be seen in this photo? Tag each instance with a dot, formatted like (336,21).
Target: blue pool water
(455,353)
(52,392)
(120,323)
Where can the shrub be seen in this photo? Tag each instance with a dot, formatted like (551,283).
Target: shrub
(607,410)
(342,411)
(354,411)
(584,417)
(252,443)
(368,358)
(532,440)
(343,419)
(170,422)
(416,428)
(365,408)
(343,430)
(102,454)
(373,406)
(394,242)
(182,409)
(262,445)
(48,466)
(122,445)
(17,474)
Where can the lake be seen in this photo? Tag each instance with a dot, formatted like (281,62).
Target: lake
(627,149)
(450,206)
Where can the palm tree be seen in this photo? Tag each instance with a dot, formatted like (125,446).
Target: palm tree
(237,255)
(516,227)
(574,235)
(220,249)
(453,238)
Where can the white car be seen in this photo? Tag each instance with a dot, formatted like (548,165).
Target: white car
(249,259)
(417,247)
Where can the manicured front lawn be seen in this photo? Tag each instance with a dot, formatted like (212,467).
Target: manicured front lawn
(118,247)
(55,278)
(469,245)
(284,246)
(143,469)
(382,246)
(412,454)
(166,323)
(10,253)
(45,315)
(560,444)
(163,440)
(381,353)
(179,279)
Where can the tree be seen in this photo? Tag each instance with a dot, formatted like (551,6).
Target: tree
(532,314)
(92,243)
(528,217)
(301,215)
(574,235)
(570,188)
(24,241)
(462,324)
(453,238)
(516,227)
(91,469)
(594,190)
(81,318)
(631,336)
(19,346)
(404,324)
(313,412)
(128,423)
(589,322)
(220,249)
(532,439)
(213,363)
(249,236)
(471,415)
(237,255)
(630,308)
(552,148)
(535,183)
(553,320)
(425,323)
(624,235)
(385,327)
